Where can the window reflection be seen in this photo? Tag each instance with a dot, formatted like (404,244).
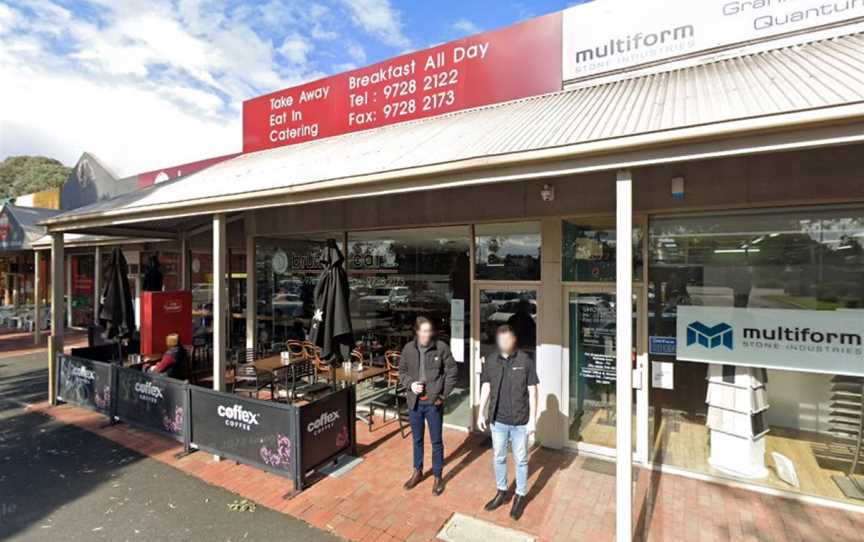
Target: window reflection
(588,251)
(287,272)
(508,251)
(396,276)
(792,260)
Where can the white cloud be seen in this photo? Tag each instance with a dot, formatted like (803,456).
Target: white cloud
(379,18)
(357,52)
(296,49)
(466,27)
(148,83)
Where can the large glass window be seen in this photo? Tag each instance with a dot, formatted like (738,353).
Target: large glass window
(588,251)
(507,251)
(201,274)
(396,276)
(287,271)
(169,264)
(83,280)
(790,430)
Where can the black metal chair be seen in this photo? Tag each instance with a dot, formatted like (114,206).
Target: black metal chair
(201,360)
(249,379)
(298,382)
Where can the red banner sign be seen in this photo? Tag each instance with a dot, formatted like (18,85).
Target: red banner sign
(515,62)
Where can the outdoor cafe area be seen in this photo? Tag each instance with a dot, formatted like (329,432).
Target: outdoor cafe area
(288,408)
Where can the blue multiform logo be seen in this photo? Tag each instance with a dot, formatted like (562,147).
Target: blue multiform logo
(710,337)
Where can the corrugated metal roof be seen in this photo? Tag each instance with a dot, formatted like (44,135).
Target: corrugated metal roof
(816,75)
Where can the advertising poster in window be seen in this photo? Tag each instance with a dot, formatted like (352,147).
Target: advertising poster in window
(596,336)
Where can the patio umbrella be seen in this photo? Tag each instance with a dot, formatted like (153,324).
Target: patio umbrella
(152,281)
(331,324)
(117,314)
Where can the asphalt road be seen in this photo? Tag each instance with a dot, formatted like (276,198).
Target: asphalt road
(62,483)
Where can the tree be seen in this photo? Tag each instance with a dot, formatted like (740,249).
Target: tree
(21,175)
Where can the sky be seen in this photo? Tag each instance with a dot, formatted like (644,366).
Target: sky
(146,84)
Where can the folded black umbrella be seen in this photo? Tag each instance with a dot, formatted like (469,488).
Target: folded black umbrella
(117,312)
(331,324)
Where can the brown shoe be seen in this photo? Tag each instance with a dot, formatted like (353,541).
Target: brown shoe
(438,488)
(415,479)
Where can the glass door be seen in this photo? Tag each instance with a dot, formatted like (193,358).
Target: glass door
(591,367)
(513,304)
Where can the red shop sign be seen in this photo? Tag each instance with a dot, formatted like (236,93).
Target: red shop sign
(515,62)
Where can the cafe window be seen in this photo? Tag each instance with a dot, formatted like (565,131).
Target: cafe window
(794,430)
(396,276)
(169,265)
(201,279)
(507,251)
(588,250)
(287,271)
(83,281)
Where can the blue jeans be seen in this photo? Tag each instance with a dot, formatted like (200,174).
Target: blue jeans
(419,417)
(517,437)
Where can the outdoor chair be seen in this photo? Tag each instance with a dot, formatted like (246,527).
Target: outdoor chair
(296,351)
(249,379)
(201,360)
(297,382)
(313,354)
(391,358)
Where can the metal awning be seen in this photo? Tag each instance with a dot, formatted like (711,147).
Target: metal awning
(800,87)
(19,226)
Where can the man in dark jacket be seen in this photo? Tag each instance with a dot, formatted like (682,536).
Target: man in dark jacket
(508,390)
(428,372)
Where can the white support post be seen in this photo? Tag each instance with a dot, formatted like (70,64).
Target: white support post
(97,283)
(251,296)
(220,302)
(37,297)
(184,261)
(55,343)
(68,283)
(624,363)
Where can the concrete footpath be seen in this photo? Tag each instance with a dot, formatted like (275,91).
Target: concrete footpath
(59,482)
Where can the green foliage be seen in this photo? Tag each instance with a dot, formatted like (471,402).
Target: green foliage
(21,175)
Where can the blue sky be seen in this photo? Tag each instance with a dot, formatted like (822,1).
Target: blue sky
(144,84)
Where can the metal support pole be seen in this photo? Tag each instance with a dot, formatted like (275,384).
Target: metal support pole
(184,261)
(251,296)
(220,303)
(55,343)
(624,363)
(37,297)
(68,283)
(97,283)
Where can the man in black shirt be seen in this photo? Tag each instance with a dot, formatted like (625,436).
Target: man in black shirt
(509,391)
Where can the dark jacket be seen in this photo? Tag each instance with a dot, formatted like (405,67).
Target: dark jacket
(523,373)
(441,371)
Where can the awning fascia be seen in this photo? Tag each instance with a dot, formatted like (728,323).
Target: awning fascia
(838,125)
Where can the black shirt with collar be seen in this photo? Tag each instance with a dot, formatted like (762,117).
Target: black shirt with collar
(509,378)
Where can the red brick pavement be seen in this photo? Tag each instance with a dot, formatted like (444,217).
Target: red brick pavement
(571,499)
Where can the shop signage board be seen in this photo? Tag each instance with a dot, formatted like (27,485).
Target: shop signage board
(608,35)
(247,430)
(796,340)
(84,382)
(511,63)
(661,346)
(325,428)
(152,401)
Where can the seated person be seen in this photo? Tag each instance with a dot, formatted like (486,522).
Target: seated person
(175,360)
